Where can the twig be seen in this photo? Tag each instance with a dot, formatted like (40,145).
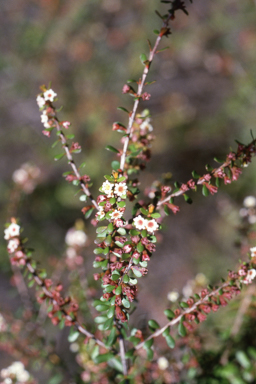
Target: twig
(139,93)
(73,165)
(47,293)
(178,318)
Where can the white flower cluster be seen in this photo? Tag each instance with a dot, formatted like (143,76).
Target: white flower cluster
(249,277)
(249,210)
(111,189)
(15,373)
(75,238)
(48,95)
(141,223)
(10,234)
(253,252)
(26,177)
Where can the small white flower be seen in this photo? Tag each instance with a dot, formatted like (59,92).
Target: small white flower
(8,380)
(249,202)
(44,119)
(101,212)
(146,125)
(116,214)
(120,189)
(250,276)
(74,347)
(107,188)
(139,222)
(75,238)
(173,296)
(71,253)
(40,101)
(12,245)
(253,252)
(49,95)
(20,176)
(252,219)
(151,225)
(23,376)
(11,231)
(162,363)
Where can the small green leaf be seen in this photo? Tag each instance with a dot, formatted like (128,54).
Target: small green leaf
(181,329)
(55,143)
(108,324)
(195,175)
(150,354)
(119,244)
(170,341)
(166,210)
(126,303)
(144,211)
(155,215)
(100,319)
(243,359)
(115,277)
(205,190)
(115,165)
(101,307)
(183,304)
(112,149)
(121,204)
(109,288)
(112,200)
(187,199)
(153,324)
(156,31)
(148,344)
(110,228)
(111,312)
(112,337)
(123,109)
(143,58)
(121,231)
(70,137)
(118,290)
(133,232)
(169,314)
(166,332)
(88,213)
(103,358)
(126,279)
(133,281)
(136,272)
(116,364)
(73,336)
(140,247)
(130,353)
(58,157)
(218,160)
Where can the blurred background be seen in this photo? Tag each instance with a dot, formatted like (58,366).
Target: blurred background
(203,99)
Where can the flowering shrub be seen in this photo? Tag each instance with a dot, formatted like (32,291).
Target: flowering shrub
(127,231)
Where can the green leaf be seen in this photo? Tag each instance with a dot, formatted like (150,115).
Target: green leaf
(118,290)
(58,157)
(153,324)
(218,160)
(205,190)
(73,335)
(150,354)
(155,215)
(140,247)
(156,31)
(119,244)
(148,344)
(109,288)
(98,251)
(116,364)
(134,232)
(100,319)
(126,279)
(95,352)
(195,175)
(166,332)
(181,329)
(144,211)
(110,228)
(121,231)
(143,58)
(136,272)
(88,213)
(108,240)
(108,324)
(112,200)
(70,137)
(102,307)
(103,358)
(115,277)
(169,314)
(170,341)
(187,199)
(111,312)
(166,210)
(183,304)
(130,353)
(133,281)
(115,165)
(243,359)
(121,204)
(112,337)
(55,143)
(123,109)
(163,49)
(112,149)
(126,303)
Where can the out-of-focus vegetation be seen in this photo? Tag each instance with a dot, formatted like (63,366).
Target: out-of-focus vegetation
(203,99)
